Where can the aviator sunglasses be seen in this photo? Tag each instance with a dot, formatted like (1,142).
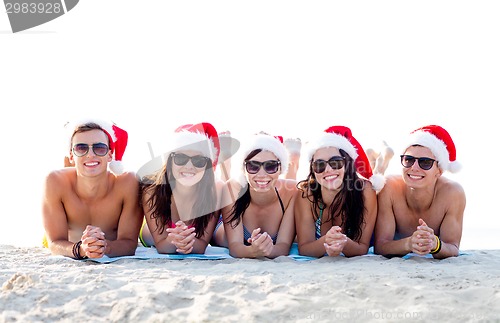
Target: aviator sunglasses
(99,149)
(423,162)
(198,161)
(336,162)
(270,166)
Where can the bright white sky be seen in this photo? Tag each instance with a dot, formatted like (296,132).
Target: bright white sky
(291,68)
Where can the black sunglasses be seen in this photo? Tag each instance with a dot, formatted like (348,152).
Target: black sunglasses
(336,162)
(198,161)
(270,166)
(423,162)
(99,149)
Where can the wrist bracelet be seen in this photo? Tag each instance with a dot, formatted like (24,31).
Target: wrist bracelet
(438,246)
(76,251)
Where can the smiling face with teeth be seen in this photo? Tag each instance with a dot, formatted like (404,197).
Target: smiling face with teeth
(188,174)
(416,177)
(90,163)
(330,179)
(262,181)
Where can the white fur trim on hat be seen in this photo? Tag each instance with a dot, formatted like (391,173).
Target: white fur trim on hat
(188,140)
(437,147)
(327,139)
(269,143)
(378,182)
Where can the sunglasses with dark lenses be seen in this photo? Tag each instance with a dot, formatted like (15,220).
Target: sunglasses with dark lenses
(270,166)
(423,162)
(198,161)
(99,149)
(336,162)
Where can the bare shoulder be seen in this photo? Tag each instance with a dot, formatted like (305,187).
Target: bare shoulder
(450,188)
(220,186)
(302,195)
(234,184)
(392,183)
(60,177)
(368,189)
(393,189)
(127,181)
(127,177)
(288,185)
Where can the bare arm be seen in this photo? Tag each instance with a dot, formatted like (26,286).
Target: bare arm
(54,217)
(305,227)
(450,231)
(385,227)
(260,246)
(163,240)
(354,248)
(130,220)
(286,232)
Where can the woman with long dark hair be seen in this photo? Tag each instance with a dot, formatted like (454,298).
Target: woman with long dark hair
(260,222)
(182,201)
(336,206)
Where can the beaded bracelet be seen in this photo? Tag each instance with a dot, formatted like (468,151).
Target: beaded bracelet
(76,251)
(438,246)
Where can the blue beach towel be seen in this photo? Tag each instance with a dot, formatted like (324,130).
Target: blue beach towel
(211,253)
(218,253)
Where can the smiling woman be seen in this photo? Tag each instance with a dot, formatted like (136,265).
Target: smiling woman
(182,198)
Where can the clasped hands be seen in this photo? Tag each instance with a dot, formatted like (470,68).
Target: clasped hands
(261,243)
(335,241)
(423,240)
(183,237)
(93,242)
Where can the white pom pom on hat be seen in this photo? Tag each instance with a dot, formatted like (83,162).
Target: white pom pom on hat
(439,141)
(341,137)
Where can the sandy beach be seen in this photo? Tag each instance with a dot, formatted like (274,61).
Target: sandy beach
(37,287)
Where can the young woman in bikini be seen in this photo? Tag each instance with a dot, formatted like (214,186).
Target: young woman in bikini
(182,201)
(260,222)
(335,209)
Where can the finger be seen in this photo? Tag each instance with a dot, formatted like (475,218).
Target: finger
(175,230)
(94,254)
(337,229)
(185,251)
(187,239)
(261,238)
(255,232)
(187,231)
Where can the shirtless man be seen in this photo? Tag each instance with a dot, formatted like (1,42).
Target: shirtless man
(87,210)
(422,211)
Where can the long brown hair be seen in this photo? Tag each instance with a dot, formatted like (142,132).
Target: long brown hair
(348,204)
(160,187)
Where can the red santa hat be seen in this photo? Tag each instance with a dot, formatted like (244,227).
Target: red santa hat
(201,137)
(117,137)
(439,141)
(270,143)
(341,137)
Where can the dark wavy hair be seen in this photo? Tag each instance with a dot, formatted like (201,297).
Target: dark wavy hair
(160,187)
(243,202)
(348,204)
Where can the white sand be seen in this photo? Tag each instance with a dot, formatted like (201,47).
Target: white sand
(38,287)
